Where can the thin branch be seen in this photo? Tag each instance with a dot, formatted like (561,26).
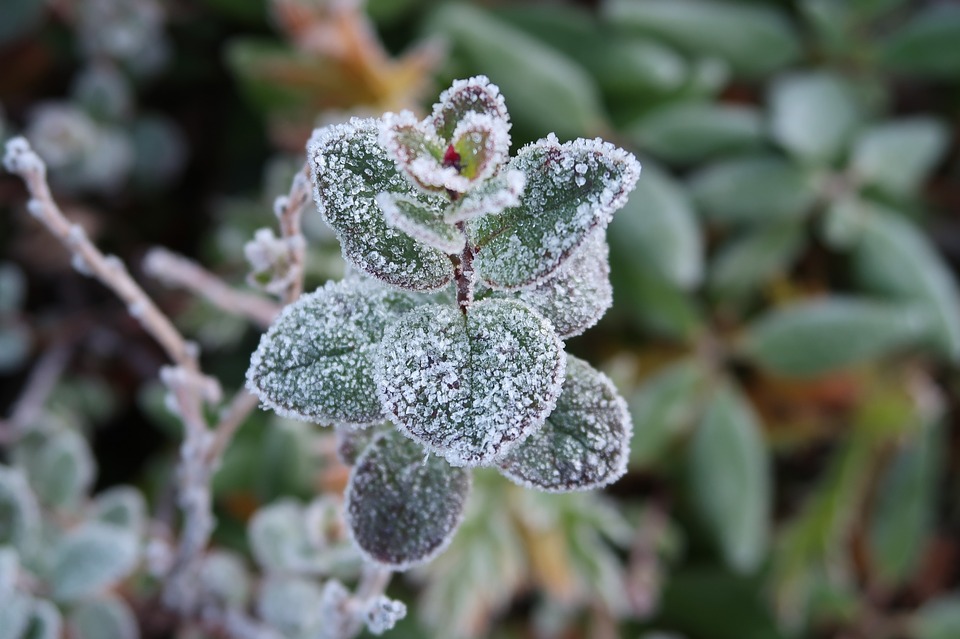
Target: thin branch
(179,271)
(231,419)
(289,211)
(43,378)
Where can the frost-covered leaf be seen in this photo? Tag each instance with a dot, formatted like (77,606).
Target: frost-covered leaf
(585,441)
(470,387)
(571,190)
(224,577)
(813,115)
(895,259)
(15,615)
(729,472)
(279,539)
(91,558)
(421,222)
(482,144)
(315,361)
(473,95)
(417,151)
(349,169)
(9,570)
(292,605)
(121,506)
(103,618)
(490,197)
(59,466)
(813,338)
(19,511)
(45,621)
(895,157)
(751,190)
(402,506)
(577,295)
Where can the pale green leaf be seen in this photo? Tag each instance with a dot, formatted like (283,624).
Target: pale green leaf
(122,506)
(349,169)
(419,221)
(45,621)
(895,259)
(938,619)
(280,541)
(92,558)
(104,618)
(751,190)
(292,605)
(470,387)
(224,578)
(813,338)
(15,615)
(571,190)
(754,40)
(928,44)
(585,441)
(315,362)
(12,286)
(813,115)
(756,256)
(59,466)
(895,157)
(730,480)
(19,511)
(402,507)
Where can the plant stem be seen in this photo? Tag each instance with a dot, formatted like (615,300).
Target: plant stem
(464,273)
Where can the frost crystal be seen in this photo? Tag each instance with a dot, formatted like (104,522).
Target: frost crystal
(420,222)
(470,387)
(475,94)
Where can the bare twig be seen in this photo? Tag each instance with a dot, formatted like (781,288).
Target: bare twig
(177,270)
(38,387)
(289,210)
(231,419)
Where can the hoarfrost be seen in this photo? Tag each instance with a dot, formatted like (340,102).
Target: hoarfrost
(585,441)
(526,243)
(470,387)
(349,168)
(314,363)
(483,144)
(401,508)
(491,197)
(420,222)
(476,94)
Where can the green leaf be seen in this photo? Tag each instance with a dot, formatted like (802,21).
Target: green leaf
(754,257)
(750,190)
(349,169)
(280,541)
(121,506)
(470,387)
(546,91)
(895,157)
(91,558)
(104,618)
(664,408)
(730,479)
(813,338)
(571,190)
(655,305)
(294,606)
(659,230)
(473,95)
(928,44)
(59,466)
(813,115)
(15,341)
(585,441)
(9,570)
(490,197)
(402,507)
(45,621)
(224,578)
(420,222)
(938,619)
(690,132)
(15,615)
(19,511)
(754,40)
(895,259)
(315,362)
(575,297)
(12,286)
(902,521)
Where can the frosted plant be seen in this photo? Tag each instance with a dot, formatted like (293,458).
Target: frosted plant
(445,351)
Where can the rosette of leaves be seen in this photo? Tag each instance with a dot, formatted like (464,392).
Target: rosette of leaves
(479,266)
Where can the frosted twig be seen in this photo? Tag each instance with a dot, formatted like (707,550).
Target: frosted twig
(177,270)
(289,210)
(230,420)
(43,378)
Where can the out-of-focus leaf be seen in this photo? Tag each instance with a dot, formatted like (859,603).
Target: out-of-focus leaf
(45,621)
(15,342)
(938,619)
(19,511)
(730,478)
(585,441)
(103,618)
(754,257)
(91,558)
(690,132)
(470,387)
(9,569)
(544,89)
(813,338)
(754,40)
(224,577)
(663,408)
(121,506)
(813,115)
(403,507)
(20,18)
(15,615)
(655,305)
(928,44)
(59,466)
(12,287)
(751,190)
(903,518)
(844,220)
(895,259)
(658,229)
(895,157)
(292,605)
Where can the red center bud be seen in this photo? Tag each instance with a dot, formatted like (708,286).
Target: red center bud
(451,158)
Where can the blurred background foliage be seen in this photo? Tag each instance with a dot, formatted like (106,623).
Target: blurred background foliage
(786,322)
